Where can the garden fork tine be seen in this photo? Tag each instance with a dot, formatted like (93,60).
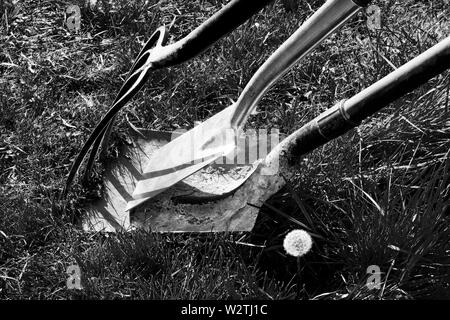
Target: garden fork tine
(136,79)
(132,84)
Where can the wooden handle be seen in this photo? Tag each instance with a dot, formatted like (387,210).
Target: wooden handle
(348,114)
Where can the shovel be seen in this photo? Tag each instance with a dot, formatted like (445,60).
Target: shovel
(184,207)
(155,55)
(216,137)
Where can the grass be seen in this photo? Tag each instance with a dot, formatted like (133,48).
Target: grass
(377,196)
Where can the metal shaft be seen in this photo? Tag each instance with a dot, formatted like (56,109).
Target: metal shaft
(327,19)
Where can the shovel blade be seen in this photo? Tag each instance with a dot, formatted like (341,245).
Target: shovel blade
(199,203)
(185,155)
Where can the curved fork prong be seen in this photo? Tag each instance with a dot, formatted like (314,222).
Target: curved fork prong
(136,78)
(157,39)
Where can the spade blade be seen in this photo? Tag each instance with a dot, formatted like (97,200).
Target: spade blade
(185,155)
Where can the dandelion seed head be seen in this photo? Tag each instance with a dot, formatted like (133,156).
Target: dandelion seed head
(297,243)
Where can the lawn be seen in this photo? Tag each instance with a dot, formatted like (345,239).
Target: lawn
(377,196)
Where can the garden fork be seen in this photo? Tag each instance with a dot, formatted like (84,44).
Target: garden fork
(156,55)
